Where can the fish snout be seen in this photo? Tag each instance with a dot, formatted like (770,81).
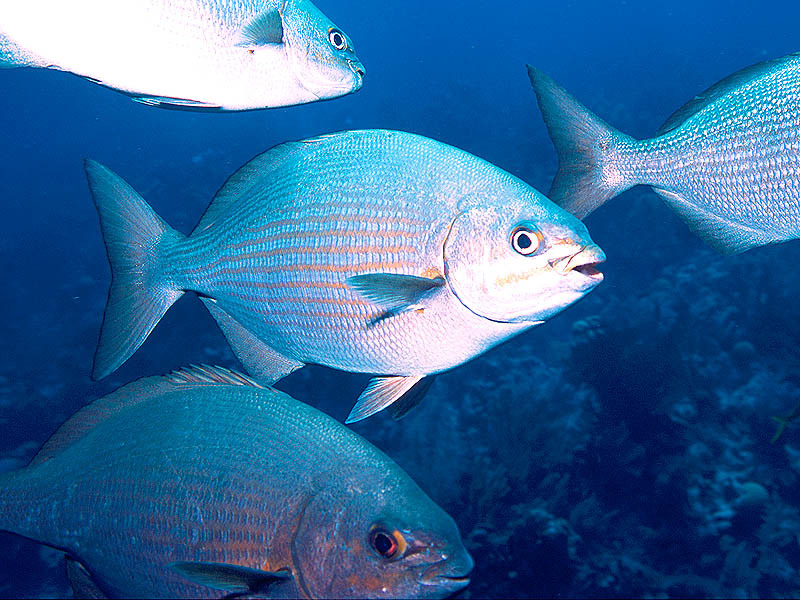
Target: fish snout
(582,261)
(449,573)
(358,68)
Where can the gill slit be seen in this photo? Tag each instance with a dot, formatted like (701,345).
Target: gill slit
(301,581)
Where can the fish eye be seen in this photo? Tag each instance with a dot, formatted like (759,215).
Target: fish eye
(388,544)
(526,240)
(337,39)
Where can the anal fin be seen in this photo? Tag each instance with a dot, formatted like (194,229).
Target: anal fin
(724,235)
(380,393)
(262,362)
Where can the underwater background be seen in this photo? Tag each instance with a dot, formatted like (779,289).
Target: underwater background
(621,449)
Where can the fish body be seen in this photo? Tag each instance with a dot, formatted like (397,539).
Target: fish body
(203,484)
(728,162)
(195,54)
(368,251)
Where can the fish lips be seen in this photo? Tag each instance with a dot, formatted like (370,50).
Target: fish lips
(581,265)
(358,70)
(445,575)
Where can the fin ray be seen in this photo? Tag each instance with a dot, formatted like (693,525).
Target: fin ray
(138,297)
(583,142)
(260,360)
(227,577)
(396,292)
(380,393)
(724,235)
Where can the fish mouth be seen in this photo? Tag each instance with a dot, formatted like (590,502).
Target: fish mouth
(452,581)
(358,70)
(584,263)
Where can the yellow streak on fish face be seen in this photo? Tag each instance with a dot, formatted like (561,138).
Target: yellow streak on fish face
(431,273)
(516,277)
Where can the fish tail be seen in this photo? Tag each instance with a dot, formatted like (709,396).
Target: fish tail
(587,147)
(136,240)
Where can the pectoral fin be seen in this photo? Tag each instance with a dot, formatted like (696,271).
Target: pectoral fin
(380,393)
(230,578)
(176,103)
(265,29)
(396,293)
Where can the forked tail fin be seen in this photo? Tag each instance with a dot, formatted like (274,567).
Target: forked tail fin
(136,239)
(586,145)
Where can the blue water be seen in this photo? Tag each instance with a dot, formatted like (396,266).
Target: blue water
(610,452)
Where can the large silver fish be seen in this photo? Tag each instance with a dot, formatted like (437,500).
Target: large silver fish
(370,251)
(728,162)
(196,54)
(204,484)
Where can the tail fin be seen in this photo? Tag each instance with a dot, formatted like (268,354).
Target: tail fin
(135,239)
(585,144)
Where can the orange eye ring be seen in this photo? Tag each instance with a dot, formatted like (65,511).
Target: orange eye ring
(388,544)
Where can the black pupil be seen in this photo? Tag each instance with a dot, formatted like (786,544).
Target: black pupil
(383,544)
(337,39)
(524,241)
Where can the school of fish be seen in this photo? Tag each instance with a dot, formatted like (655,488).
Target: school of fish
(370,251)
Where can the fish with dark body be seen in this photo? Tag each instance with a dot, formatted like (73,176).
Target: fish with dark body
(373,251)
(728,162)
(187,54)
(203,484)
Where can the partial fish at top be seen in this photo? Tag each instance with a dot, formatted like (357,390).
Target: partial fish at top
(187,54)
(728,162)
(369,251)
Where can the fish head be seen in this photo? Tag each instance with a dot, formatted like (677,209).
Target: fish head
(320,54)
(520,260)
(389,542)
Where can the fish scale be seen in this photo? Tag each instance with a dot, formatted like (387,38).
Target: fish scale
(371,251)
(728,162)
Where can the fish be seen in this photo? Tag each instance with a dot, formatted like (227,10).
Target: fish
(204,55)
(202,483)
(370,251)
(727,162)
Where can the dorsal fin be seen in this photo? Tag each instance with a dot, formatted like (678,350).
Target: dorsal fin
(207,374)
(244,180)
(86,419)
(721,88)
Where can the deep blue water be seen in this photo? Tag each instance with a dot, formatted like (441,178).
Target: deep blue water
(608,452)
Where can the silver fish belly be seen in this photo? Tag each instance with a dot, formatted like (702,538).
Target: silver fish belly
(368,251)
(728,162)
(187,54)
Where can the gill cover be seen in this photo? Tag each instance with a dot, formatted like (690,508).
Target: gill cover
(484,271)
